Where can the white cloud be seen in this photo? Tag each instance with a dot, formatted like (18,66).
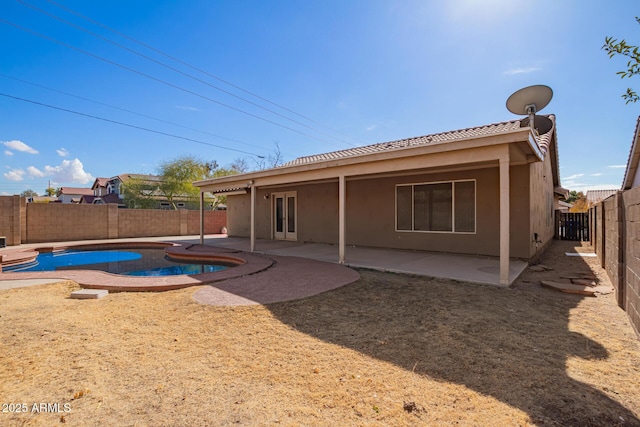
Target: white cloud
(69,171)
(8,153)
(372,127)
(586,187)
(62,152)
(572,177)
(597,174)
(521,70)
(14,175)
(35,172)
(617,166)
(186,107)
(20,146)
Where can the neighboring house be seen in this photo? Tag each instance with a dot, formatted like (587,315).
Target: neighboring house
(111,190)
(99,187)
(112,198)
(114,184)
(595,196)
(632,174)
(486,191)
(72,194)
(563,206)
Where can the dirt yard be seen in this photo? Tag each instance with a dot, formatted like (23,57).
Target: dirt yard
(388,350)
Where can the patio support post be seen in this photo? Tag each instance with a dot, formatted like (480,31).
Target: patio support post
(342,188)
(504,220)
(202,217)
(253,218)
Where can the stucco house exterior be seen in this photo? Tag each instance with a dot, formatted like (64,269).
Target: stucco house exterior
(632,172)
(489,190)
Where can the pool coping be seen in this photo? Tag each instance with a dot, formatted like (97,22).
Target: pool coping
(248,264)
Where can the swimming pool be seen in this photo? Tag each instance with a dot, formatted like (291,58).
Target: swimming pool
(129,262)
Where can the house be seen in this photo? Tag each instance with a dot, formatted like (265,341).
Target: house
(72,194)
(115,184)
(113,191)
(105,199)
(489,190)
(563,206)
(99,187)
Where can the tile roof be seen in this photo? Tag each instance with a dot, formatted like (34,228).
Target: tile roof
(76,191)
(100,182)
(143,177)
(487,130)
(595,196)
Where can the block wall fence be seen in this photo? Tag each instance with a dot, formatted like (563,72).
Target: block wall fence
(22,222)
(615,231)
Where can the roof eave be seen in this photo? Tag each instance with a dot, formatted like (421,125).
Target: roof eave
(516,135)
(633,160)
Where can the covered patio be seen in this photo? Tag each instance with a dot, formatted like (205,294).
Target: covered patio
(465,268)
(469,204)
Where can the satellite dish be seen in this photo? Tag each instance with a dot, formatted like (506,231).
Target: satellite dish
(529,101)
(529,98)
(542,124)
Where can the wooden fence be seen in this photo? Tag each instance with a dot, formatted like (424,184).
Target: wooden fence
(572,226)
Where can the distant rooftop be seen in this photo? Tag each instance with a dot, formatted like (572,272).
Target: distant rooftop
(75,191)
(595,196)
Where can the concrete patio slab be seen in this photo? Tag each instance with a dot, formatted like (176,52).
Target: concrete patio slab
(464,268)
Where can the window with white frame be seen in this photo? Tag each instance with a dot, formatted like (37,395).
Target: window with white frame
(440,206)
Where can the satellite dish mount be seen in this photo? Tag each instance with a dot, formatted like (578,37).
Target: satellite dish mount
(528,101)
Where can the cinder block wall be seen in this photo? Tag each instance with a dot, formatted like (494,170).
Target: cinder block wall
(612,242)
(214,221)
(598,229)
(55,222)
(148,222)
(631,202)
(12,216)
(22,222)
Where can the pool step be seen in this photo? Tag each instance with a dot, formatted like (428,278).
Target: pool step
(89,293)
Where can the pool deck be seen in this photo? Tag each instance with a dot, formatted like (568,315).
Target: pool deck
(276,271)
(260,279)
(93,279)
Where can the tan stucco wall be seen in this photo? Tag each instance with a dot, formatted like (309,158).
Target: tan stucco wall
(542,204)
(317,213)
(371,214)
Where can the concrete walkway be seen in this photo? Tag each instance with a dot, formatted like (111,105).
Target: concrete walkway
(465,268)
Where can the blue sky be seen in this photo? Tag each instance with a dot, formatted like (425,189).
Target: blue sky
(348,73)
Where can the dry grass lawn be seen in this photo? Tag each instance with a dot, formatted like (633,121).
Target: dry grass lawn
(387,350)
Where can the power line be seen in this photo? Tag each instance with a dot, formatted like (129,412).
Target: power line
(128,125)
(148,58)
(156,79)
(130,111)
(200,70)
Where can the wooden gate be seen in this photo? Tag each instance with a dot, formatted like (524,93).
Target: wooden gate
(572,226)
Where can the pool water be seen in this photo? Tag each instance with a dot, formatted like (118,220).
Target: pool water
(130,262)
